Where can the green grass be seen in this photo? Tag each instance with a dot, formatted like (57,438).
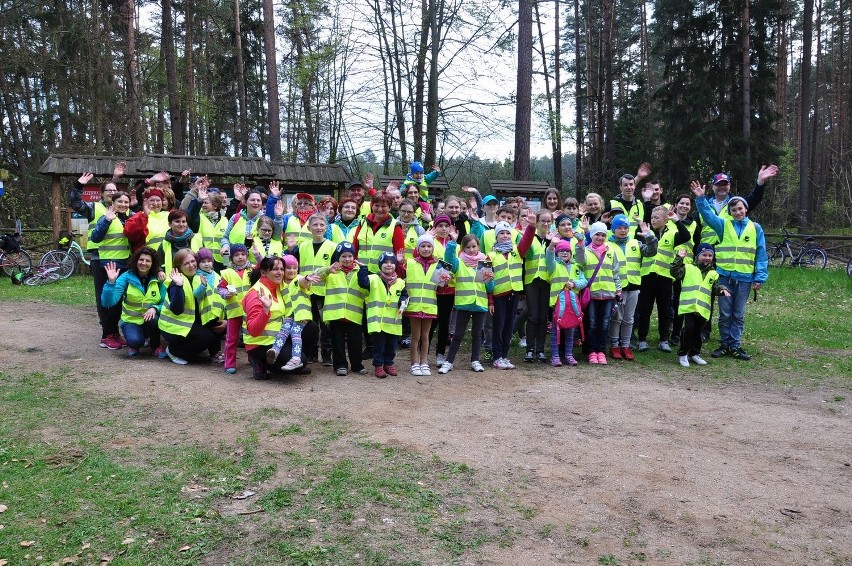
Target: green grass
(78,290)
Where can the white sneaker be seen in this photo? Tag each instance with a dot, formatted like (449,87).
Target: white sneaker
(664,346)
(508,364)
(415,369)
(424,369)
(476,366)
(176,359)
(684,361)
(440,359)
(446,367)
(500,363)
(698,360)
(643,347)
(522,343)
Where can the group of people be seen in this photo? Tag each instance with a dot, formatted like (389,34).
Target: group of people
(181,269)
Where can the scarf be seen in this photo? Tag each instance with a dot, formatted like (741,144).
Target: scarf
(504,247)
(214,216)
(620,242)
(471,261)
(388,279)
(181,241)
(303,215)
(348,270)
(598,250)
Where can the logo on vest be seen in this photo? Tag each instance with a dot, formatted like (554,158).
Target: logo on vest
(747,238)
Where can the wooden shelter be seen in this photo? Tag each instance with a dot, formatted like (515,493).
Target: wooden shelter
(502,188)
(296,177)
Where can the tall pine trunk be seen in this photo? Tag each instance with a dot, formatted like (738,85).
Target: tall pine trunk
(274,117)
(804,216)
(242,136)
(523,103)
(167,44)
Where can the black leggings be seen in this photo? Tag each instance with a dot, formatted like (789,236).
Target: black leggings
(198,341)
(538,305)
(655,289)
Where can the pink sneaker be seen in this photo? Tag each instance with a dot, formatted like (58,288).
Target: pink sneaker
(593,358)
(602,358)
(112,342)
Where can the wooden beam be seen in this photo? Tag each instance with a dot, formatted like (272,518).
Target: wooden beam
(57,201)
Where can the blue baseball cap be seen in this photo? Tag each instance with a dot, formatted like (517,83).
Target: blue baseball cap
(489,199)
(721,178)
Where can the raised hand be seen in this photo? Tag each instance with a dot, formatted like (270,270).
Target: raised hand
(672,214)
(185,173)
(584,223)
(312,278)
(697,189)
(335,267)
(161,276)
(279,208)
(275,189)
(647,192)
(643,228)
(266,301)
(85,178)
(240,191)
(766,172)
(226,250)
(392,185)
(119,170)
(581,208)
(436,168)
(453,233)
(426,217)
(470,189)
(681,253)
(110,214)
(111,271)
(177,277)
(368,181)
(644,169)
(202,191)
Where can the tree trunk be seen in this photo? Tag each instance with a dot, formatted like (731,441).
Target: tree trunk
(242,136)
(523,108)
(804,125)
(551,113)
(274,117)
(432,106)
(167,42)
(426,7)
(578,106)
(608,80)
(746,76)
(557,64)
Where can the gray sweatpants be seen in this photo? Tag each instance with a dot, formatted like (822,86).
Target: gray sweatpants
(621,324)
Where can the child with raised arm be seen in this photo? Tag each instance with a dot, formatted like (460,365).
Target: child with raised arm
(386,301)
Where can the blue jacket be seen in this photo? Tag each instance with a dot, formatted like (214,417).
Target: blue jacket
(113,293)
(717,223)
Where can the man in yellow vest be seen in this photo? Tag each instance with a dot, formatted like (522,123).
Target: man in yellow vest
(742,264)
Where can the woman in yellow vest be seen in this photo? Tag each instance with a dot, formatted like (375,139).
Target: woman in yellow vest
(180,317)
(344,310)
(148,226)
(386,301)
(141,297)
(295,294)
(178,237)
(242,227)
(113,246)
(264,308)
(233,288)
(421,283)
(699,283)
(345,223)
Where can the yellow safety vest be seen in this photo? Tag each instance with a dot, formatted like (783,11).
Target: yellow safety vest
(629,260)
(696,291)
(371,244)
(637,209)
(421,289)
(469,291)
(99,210)
(237,235)
(212,234)
(508,271)
(560,277)
(605,279)
(179,324)
(136,303)
(273,325)
(158,225)
(276,248)
(489,237)
(410,242)
(295,228)
(735,253)
(297,302)
(169,254)
(337,235)
(534,266)
(234,305)
(212,305)
(382,306)
(114,245)
(308,262)
(665,253)
(344,298)
(708,234)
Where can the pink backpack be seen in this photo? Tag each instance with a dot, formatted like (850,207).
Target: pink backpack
(567,313)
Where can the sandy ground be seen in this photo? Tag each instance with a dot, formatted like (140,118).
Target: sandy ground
(663,467)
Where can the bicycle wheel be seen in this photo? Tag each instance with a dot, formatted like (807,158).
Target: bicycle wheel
(14,262)
(64,262)
(813,258)
(39,276)
(777,256)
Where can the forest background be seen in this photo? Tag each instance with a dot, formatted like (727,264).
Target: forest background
(694,87)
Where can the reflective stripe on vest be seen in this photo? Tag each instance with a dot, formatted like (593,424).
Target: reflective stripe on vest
(605,279)
(99,210)
(382,306)
(373,244)
(179,324)
(114,245)
(295,228)
(212,234)
(297,303)
(234,305)
(696,291)
(211,306)
(273,325)
(468,290)
(629,260)
(136,303)
(665,254)
(708,234)
(507,272)
(737,253)
(237,235)
(560,277)
(534,263)
(421,289)
(344,298)
(158,225)
(308,262)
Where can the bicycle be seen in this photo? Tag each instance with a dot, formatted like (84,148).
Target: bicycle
(40,275)
(65,260)
(13,258)
(810,254)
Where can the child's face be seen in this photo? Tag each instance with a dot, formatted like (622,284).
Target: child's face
(564,255)
(318,227)
(290,272)
(599,238)
(658,219)
(442,229)
(621,231)
(564,229)
(239,258)
(505,216)
(206,265)
(425,249)
(705,258)
(417,176)
(388,267)
(472,248)
(347,259)
(504,236)
(572,211)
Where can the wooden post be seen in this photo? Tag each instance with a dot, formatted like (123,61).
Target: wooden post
(57,213)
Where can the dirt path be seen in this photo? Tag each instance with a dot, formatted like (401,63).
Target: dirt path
(655,468)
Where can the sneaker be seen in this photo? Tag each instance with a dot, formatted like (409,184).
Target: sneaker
(740,354)
(542,358)
(380,372)
(219,358)
(424,370)
(440,359)
(529,356)
(684,361)
(342,372)
(570,360)
(160,352)
(391,370)
(627,353)
(405,342)
(111,342)
(175,359)
(231,371)
(522,343)
(293,363)
(326,362)
(664,346)
(446,367)
(476,366)
(271,355)
(698,360)
(508,364)
(720,352)
(602,358)
(593,358)
(498,363)
(615,352)
(415,370)
(120,339)
(555,361)
(488,356)
(643,346)
(132,352)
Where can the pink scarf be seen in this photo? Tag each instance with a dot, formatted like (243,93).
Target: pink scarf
(472,261)
(598,250)
(388,279)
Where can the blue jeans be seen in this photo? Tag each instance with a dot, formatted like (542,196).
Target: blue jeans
(732,311)
(599,313)
(135,334)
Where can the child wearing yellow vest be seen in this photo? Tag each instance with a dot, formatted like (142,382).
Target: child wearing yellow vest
(508,284)
(343,310)
(315,255)
(422,300)
(699,283)
(386,301)
(297,313)
(211,305)
(233,288)
(567,279)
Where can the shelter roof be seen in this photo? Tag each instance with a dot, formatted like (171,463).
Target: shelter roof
(504,187)
(101,165)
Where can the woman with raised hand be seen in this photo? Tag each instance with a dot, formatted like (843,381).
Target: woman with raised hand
(141,297)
